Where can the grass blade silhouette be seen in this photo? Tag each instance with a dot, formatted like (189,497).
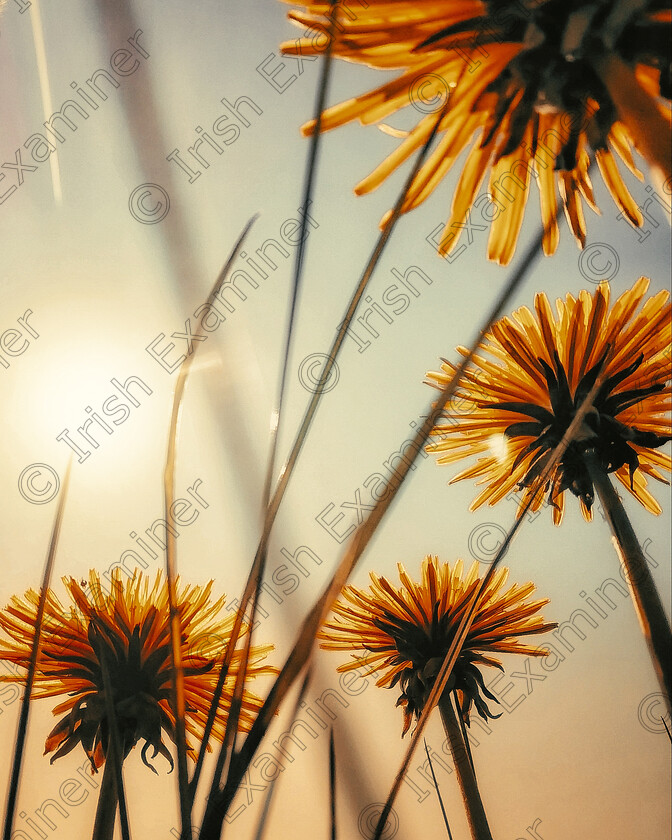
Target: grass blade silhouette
(332,782)
(309,181)
(186,800)
(667,728)
(228,745)
(438,792)
(266,808)
(22,727)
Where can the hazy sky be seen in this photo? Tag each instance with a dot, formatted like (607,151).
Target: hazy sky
(98,267)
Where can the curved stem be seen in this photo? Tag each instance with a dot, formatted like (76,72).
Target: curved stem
(106,812)
(648,606)
(478,822)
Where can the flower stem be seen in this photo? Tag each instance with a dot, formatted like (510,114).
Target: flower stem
(106,812)
(648,606)
(478,822)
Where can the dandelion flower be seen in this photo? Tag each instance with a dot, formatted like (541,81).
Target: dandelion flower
(528,98)
(406,632)
(523,391)
(130,628)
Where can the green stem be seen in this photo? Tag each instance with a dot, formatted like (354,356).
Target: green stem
(478,822)
(648,606)
(106,812)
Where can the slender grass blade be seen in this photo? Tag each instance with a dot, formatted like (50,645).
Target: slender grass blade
(22,728)
(309,181)
(438,792)
(186,800)
(261,827)
(332,782)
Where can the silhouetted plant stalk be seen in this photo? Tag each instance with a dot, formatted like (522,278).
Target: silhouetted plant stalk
(649,608)
(111,794)
(103,828)
(466,776)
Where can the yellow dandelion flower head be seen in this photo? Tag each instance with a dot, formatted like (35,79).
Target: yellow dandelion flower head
(522,393)
(406,631)
(525,99)
(128,630)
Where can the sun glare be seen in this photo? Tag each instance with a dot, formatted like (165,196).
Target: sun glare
(499,446)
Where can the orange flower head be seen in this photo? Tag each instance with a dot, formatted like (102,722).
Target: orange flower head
(532,86)
(407,631)
(521,394)
(128,630)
